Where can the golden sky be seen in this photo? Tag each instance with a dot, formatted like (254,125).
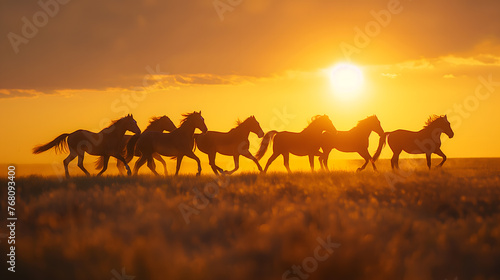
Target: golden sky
(83,63)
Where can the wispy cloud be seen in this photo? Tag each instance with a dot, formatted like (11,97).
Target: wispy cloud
(18,93)
(154,83)
(389,75)
(85,47)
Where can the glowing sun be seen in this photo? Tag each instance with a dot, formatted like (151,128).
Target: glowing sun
(347,80)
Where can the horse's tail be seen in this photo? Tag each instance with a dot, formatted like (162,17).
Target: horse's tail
(99,163)
(130,151)
(60,144)
(265,143)
(381,144)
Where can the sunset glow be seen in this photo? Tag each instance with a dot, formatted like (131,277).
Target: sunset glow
(347,81)
(379,59)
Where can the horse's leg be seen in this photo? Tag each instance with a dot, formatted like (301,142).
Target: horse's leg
(371,160)
(122,159)
(395,159)
(286,161)
(178,165)
(311,162)
(441,154)
(72,155)
(270,160)
(211,162)
(247,154)
(152,165)
(140,162)
(104,165)
(80,163)
(320,159)
(324,159)
(162,161)
(428,158)
(236,159)
(366,156)
(121,167)
(190,154)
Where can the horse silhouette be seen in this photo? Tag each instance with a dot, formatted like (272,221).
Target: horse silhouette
(426,141)
(305,143)
(354,140)
(233,143)
(155,124)
(105,143)
(177,144)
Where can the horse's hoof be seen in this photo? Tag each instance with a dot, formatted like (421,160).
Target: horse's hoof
(359,169)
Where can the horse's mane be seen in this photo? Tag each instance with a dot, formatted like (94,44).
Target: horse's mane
(361,122)
(152,121)
(187,116)
(238,121)
(431,120)
(116,121)
(314,118)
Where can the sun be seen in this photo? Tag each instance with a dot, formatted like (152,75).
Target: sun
(346,80)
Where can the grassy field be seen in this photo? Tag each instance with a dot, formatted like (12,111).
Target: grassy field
(442,224)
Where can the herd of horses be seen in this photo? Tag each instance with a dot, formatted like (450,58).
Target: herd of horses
(316,140)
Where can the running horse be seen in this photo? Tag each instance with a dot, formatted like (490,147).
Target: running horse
(233,143)
(177,144)
(354,140)
(155,124)
(426,141)
(105,143)
(304,143)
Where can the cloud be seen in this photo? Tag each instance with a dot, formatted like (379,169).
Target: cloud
(17,93)
(97,45)
(479,60)
(449,76)
(390,75)
(207,79)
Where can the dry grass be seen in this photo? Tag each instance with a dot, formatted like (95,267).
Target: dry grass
(432,225)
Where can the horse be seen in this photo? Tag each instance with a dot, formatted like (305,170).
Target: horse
(176,144)
(305,143)
(426,141)
(354,140)
(105,143)
(233,143)
(155,124)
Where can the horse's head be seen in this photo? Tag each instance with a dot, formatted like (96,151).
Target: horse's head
(440,124)
(375,125)
(167,124)
(446,126)
(199,121)
(324,124)
(255,126)
(130,124)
